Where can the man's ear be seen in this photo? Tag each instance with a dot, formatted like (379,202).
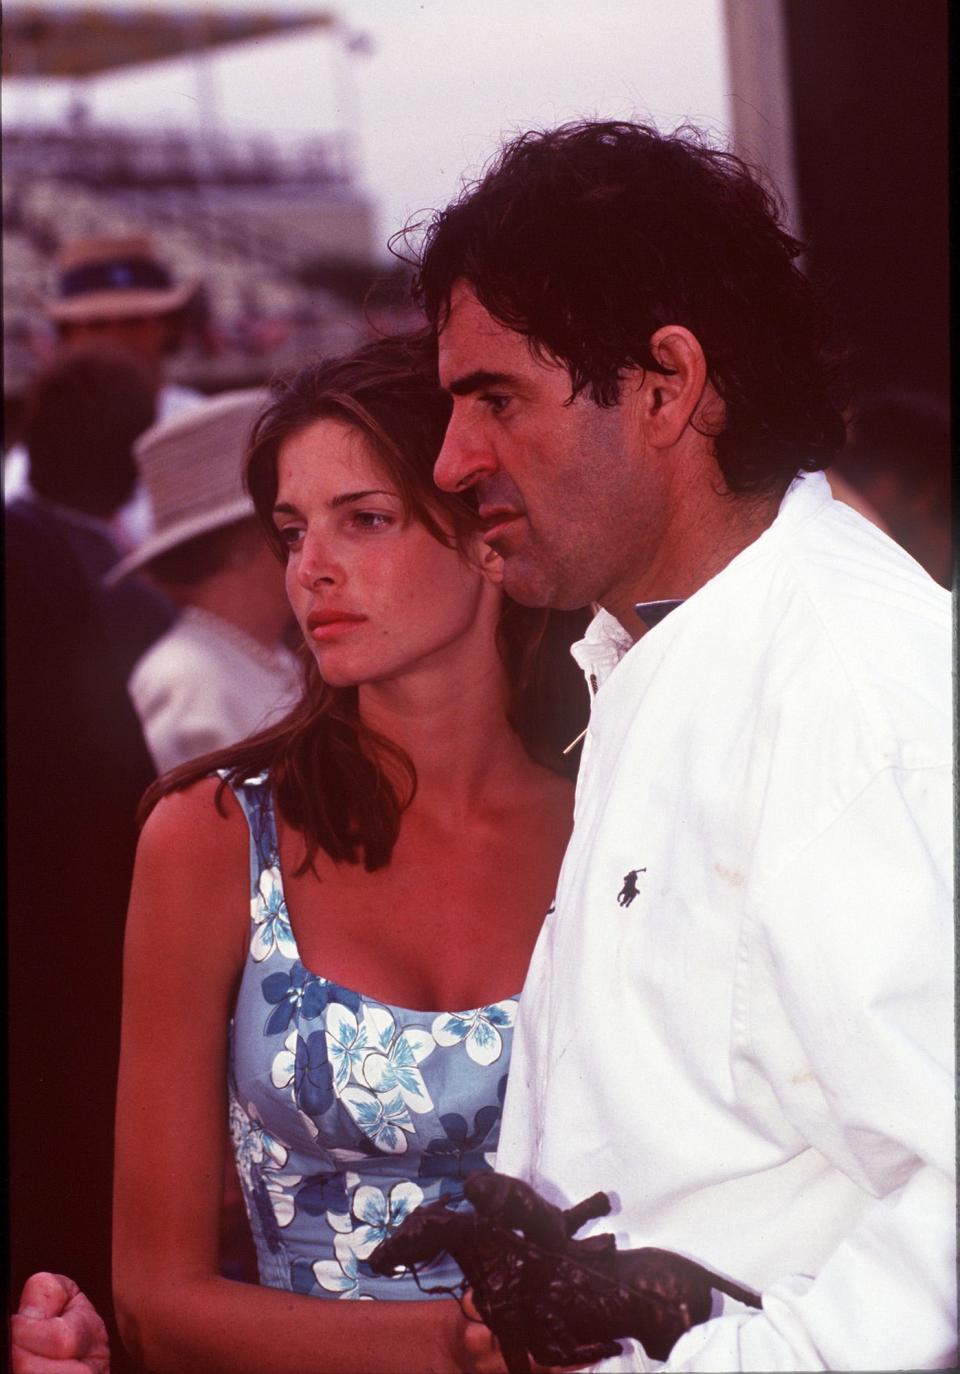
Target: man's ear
(665,402)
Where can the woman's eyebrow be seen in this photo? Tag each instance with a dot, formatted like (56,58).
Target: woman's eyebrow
(345,499)
(349,496)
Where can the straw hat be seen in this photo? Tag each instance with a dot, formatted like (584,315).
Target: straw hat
(192,470)
(114,279)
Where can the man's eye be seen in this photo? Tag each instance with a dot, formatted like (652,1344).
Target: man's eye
(495,402)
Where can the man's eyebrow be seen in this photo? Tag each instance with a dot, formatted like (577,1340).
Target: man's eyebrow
(478,381)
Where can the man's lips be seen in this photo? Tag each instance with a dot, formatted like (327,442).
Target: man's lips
(496,520)
(328,624)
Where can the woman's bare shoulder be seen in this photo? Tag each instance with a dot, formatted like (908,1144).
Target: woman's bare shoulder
(193,857)
(202,825)
(205,812)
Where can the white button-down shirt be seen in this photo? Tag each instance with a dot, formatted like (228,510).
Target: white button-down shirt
(738,1020)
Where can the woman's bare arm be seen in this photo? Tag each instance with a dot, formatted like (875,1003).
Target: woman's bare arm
(184,950)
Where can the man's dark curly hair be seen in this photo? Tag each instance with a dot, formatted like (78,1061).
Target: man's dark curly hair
(591,236)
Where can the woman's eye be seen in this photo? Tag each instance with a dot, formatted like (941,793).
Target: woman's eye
(289,536)
(371,520)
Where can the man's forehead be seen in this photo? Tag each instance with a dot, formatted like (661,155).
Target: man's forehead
(471,340)
(465,316)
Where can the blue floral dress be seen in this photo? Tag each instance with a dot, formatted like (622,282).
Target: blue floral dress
(346,1112)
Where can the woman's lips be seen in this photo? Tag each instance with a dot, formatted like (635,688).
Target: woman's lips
(330,625)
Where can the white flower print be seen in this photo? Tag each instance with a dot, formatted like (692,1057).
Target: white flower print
(380,1025)
(381,1119)
(379,1215)
(260,1157)
(281,1190)
(269,912)
(394,1068)
(340,1221)
(339,1275)
(253,1145)
(375,1071)
(347,1043)
(284,1063)
(479,1030)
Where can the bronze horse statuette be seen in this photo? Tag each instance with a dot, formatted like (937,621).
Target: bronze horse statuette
(544,1294)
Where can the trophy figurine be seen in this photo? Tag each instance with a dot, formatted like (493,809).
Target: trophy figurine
(545,1294)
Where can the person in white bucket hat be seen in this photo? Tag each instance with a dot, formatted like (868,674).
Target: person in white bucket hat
(223,670)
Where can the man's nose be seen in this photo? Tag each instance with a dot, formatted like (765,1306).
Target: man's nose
(464,458)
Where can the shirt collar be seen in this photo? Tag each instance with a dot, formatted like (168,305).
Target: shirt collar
(606,641)
(602,647)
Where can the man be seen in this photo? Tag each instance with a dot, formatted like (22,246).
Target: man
(898,457)
(115,290)
(76,766)
(84,413)
(738,1018)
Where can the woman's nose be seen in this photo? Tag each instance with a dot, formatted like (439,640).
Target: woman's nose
(317,564)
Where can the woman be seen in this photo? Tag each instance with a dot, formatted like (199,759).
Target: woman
(309,923)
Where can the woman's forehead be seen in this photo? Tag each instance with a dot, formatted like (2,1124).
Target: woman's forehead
(330,450)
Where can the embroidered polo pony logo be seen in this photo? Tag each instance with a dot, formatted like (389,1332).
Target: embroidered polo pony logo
(629,890)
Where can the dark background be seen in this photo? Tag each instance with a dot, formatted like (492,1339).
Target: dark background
(870,93)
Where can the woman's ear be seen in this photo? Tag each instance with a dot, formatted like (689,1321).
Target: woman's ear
(485,560)
(482,559)
(491,565)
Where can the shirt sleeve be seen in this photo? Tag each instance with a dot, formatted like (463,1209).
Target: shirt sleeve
(849,962)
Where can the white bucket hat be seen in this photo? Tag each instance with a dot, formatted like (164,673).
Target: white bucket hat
(192,469)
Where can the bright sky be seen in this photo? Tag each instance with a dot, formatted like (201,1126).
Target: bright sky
(445,80)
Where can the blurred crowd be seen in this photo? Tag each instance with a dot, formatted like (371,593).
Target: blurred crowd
(147,624)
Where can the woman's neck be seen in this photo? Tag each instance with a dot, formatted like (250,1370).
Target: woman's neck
(456,732)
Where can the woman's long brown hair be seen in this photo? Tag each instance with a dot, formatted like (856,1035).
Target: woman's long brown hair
(343,785)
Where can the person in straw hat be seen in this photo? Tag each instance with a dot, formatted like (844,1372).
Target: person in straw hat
(116,291)
(222,670)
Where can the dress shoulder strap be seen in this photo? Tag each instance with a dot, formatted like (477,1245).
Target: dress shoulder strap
(255,797)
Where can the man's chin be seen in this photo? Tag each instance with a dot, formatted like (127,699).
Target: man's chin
(534,586)
(523,583)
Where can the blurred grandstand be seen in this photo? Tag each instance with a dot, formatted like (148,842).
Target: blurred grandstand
(280,235)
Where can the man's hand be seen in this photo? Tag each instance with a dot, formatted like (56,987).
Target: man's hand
(482,1350)
(56,1330)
